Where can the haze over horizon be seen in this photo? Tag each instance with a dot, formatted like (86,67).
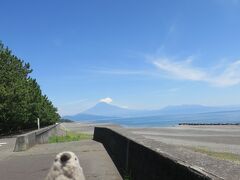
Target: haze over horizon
(138,55)
(106,108)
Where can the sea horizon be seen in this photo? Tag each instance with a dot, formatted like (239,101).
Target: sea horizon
(170,120)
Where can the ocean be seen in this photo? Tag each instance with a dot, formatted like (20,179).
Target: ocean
(175,119)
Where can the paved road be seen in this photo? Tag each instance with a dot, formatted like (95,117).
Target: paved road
(35,162)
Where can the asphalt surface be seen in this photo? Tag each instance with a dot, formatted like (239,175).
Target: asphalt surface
(35,163)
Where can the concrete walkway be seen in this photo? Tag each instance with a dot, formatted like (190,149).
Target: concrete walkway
(35,162)
(6,148)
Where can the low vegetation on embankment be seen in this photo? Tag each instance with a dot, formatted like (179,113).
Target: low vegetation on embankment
(21,99)
(70,136)
(219,155)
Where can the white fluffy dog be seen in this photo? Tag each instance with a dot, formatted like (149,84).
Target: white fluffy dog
(66,167)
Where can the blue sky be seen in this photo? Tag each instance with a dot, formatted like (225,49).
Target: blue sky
(140,54)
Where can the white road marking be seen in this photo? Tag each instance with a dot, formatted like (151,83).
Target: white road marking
(3,143)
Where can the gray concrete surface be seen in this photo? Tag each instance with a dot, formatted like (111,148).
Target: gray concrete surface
(177,142)
(40,136)
(35,162)
(7,147)
(214,138)
(142,160)
(174,141)
(87,127)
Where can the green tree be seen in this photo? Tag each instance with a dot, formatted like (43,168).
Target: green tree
(21,99)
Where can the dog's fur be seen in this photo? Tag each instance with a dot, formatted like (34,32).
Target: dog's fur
(66,167)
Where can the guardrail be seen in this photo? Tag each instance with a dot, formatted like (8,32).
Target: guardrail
(28,140)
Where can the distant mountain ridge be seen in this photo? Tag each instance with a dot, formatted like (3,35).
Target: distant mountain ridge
(82,116)
(105,111)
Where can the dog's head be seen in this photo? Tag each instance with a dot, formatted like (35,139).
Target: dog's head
(66,167)
(65,159)
(66,164)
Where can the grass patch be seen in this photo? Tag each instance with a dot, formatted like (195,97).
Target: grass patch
(70,136)
(126,177)
(219,155)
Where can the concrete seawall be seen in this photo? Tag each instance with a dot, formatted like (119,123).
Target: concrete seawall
(26,141)
(133,158)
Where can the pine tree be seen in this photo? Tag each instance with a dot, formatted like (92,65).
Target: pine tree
(21,99)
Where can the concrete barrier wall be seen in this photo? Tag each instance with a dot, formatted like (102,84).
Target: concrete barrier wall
(26,141)
(142,163)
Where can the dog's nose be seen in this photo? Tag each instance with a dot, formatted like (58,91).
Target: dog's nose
(65,157)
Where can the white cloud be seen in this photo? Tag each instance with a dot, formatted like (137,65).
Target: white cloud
(106,100)
(222,74)
(229,76)
(180,70)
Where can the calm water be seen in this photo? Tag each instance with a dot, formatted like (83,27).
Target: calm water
(172,120)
